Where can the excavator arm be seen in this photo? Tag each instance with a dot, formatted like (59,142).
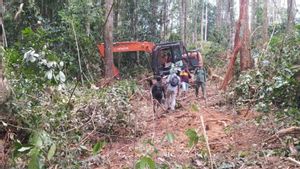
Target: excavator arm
(133,46)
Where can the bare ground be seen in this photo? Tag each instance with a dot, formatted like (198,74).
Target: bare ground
(235,141)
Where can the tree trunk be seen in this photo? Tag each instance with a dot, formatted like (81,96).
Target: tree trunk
(218,14)
(166,20)
(206,23)
(185,21)
(239,41)
(245,55)
(108,40)
(88,20)
(253,15)
(195,22)
(231,23)
(116,14)
(202,20)
(291,11)
(183,18)
(153,19)
(265,23)
(4,91)
(134,28)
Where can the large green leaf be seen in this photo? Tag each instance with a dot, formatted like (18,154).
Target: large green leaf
(145,163)
(51,151)
(193,137)
(98,147)
(34,162)
(36,139)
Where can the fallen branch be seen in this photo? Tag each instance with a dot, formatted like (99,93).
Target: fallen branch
(19,11)
(294,161)
(207,144)
(284,132)
(78,52)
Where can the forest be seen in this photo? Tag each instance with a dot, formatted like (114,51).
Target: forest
(89,84)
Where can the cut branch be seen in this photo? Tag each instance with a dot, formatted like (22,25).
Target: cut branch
(281,133)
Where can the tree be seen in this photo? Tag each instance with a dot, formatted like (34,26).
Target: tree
(195,22)
(265,22)
(183,20)
(291,11)
(4,92)
(245,56)
(219,4)
(153,19)
(241,44)
(231,23)
(164,20)
(206,23)
(116,14)
(253,15)
(108,39)
(202,20)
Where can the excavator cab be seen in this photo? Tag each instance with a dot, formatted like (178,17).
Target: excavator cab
(166,55)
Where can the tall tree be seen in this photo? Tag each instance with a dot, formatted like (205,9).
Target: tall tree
(183,20)
(108,39)
(195,22)
(4,92)
(291,11)
(206,23)
(241,44)
(153,20)
(265,22)
(231,23)
(116,14)
(163,20)
(253,15)
(202,20)
(245,56)
(219,5)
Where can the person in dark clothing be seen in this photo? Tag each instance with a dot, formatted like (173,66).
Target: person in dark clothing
(158,91)
(200,80)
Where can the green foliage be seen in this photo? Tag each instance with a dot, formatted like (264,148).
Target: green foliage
(51,151)
(174,37)
(62,125)
(145,162)
(212,53)
(98,147)
(193,137)
(273,84)
(195,107)
(33,65)
(170,137)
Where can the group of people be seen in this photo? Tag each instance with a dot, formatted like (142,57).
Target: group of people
(179,80)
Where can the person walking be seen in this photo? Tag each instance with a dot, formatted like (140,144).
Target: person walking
(200,80)
(185,76)
(173,83)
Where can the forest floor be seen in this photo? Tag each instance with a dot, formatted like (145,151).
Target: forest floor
(235,138)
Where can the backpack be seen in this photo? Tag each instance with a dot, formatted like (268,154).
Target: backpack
(200,75)
(157,90)
(174,81)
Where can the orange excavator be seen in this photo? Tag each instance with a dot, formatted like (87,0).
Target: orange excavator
(162,55)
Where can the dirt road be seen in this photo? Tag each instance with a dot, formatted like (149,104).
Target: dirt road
(231,136)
